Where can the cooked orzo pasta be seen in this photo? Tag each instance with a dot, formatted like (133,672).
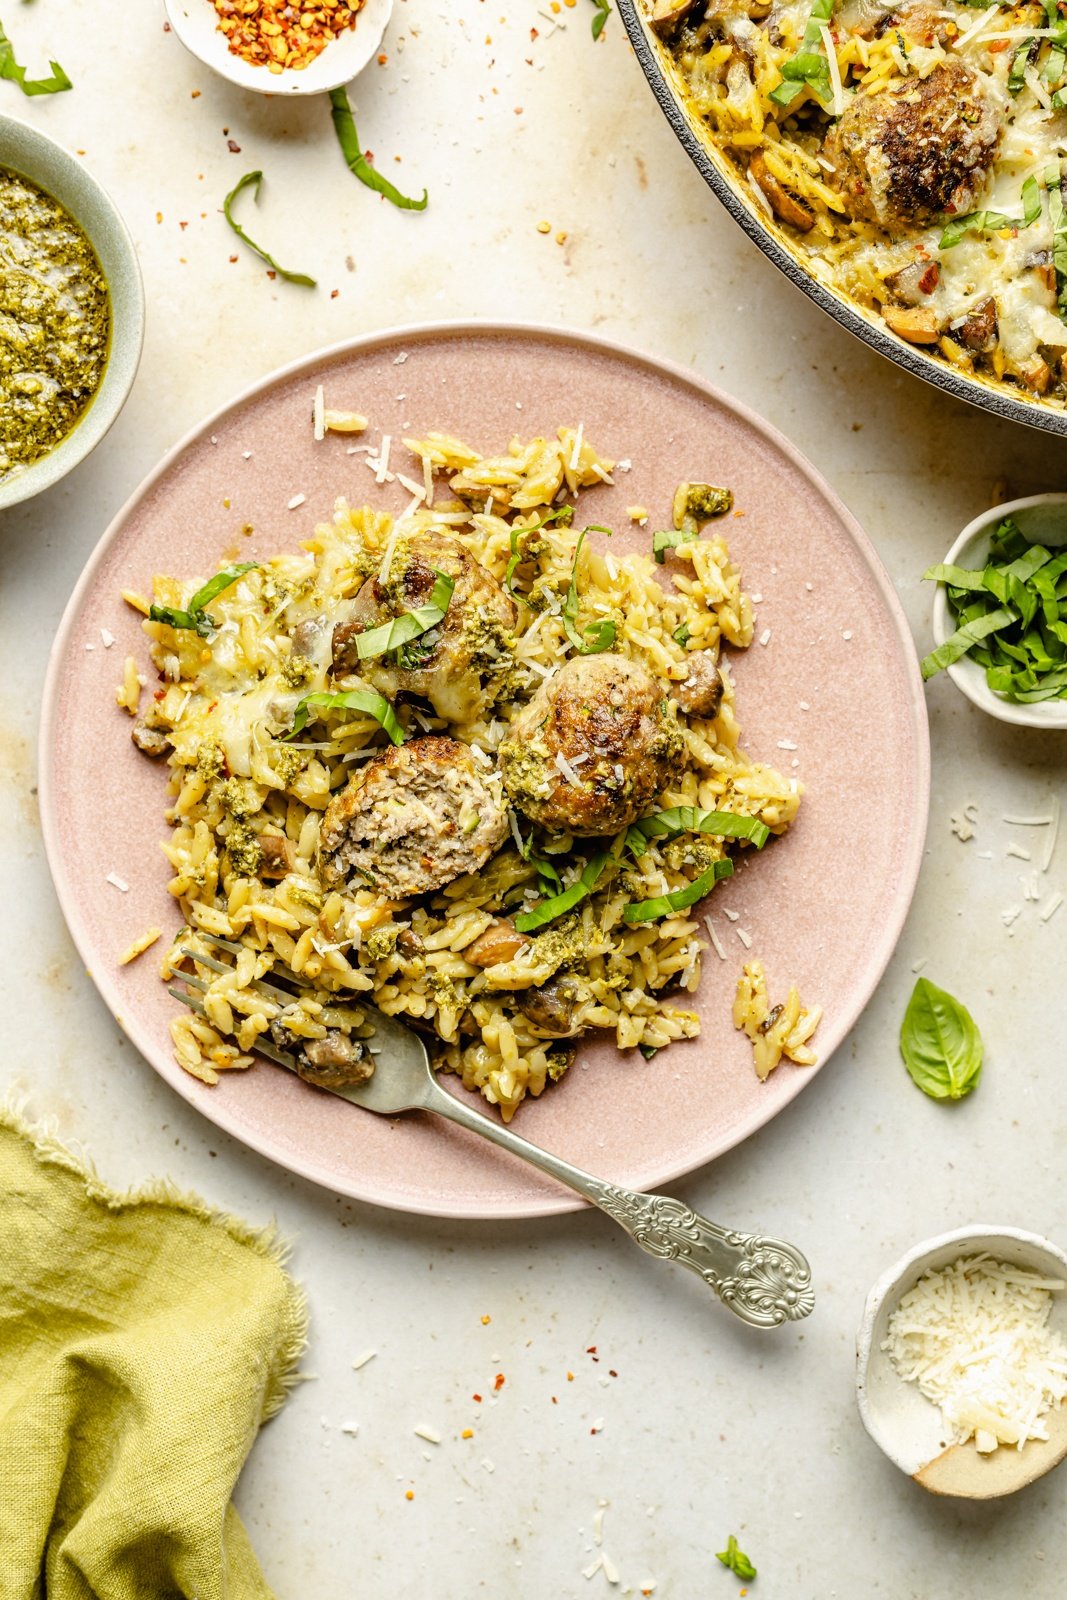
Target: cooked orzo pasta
(467,766)
(910,154)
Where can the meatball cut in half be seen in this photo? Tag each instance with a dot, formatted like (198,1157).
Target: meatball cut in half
(593,748)
(918,151)
(451,664)
(412,820)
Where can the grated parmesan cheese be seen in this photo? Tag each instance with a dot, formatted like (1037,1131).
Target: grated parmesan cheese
(975,1338)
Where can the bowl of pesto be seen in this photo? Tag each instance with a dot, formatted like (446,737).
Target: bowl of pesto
(71,312)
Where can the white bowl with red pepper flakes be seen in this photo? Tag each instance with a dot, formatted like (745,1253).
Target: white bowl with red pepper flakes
(277,47)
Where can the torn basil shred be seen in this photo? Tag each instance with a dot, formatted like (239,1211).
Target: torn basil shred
(194,616)
(347,137)
(409,625)
(368,701)
(665,905)
(594,636)
(549,910)
(253,180)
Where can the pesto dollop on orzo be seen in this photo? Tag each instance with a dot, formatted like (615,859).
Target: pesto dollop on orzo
(54,322)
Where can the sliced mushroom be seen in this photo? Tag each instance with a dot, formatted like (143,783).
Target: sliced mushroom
(916,324)
(666,14)
(552,1007)
(914,282)
(700,692)
(1041,262)
(276,855)
(499,942)
(978,329)
(152,741)
(334,1060)
(782,202)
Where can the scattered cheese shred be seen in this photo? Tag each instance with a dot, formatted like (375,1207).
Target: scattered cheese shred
(975,1338)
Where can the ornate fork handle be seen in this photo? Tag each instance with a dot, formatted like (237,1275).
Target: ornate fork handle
(763,1281)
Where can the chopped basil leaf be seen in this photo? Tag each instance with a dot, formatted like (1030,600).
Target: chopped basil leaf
(367,700)
(648,1050)
(194,616)
(358,164)
(681,635)
(1058,218)
(993,221)
(598,635)
(254,179)
(549,880)
(1019,63)
(603,12)
(549,910)
(735,1559)
(679,899)
(809,67)
(410,624)
(9,68)
(564,514)
(669,539)
(1012,617)
(688,819)
(940,1043)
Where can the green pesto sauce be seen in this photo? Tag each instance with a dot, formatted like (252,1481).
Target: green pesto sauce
(55,322)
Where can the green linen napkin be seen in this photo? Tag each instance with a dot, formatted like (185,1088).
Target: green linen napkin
(144,1338)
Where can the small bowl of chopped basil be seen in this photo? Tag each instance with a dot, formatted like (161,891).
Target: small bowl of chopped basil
(1000,612)
(72,305)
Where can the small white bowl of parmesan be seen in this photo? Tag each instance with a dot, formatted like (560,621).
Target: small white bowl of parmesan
(961,1369)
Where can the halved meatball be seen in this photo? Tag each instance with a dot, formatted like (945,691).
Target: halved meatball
(412,820)
(451,664)
(917,151)
(613,727)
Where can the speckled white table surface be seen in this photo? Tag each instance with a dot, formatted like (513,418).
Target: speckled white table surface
(688,1426)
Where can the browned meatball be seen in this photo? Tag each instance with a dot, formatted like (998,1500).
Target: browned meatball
(412,820)
(612,725)
(917,151)
(700,692)
(451,664)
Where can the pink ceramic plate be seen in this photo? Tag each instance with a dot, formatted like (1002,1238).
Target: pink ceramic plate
(831,693)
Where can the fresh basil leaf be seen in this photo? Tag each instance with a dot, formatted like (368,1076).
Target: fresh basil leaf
(681,635)
(962,640)
(669,539)
(679,899)
(1019,63)
(940,1043)
(993,221)
(549,910)
(688,819)
(809,67)
(410,624)
(1058,218)
(254,179)
(10,69)
(735,1559)
(603,12)
(598,635)
(648,1050)
(358,165)
(366,700)
(194,616)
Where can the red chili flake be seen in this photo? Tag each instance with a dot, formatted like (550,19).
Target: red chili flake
(183,226)
(499,1381)
(590,1349)
(231,144)
(212,706)
(518,111)
(555,1402)
(233,258)
(382,59)
(159,694)
(334,293)
(166,27)
(194,94)
(476,1398)
(368,155)
(271,272)
(612,1373)
(534,33)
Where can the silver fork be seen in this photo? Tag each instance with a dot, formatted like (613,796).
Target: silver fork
(763,1281)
